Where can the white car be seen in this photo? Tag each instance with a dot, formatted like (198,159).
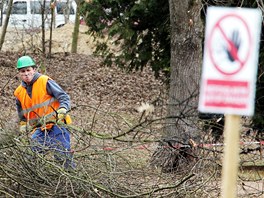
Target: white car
(27,13)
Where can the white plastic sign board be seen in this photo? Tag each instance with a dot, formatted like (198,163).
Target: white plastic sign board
(230,61)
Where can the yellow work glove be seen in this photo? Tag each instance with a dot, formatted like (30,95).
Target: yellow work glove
(24,128)
(61,115)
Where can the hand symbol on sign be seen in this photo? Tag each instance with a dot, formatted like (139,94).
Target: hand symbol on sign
(232,47)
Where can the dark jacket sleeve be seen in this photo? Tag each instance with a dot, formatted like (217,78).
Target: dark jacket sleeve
(57,92)
(19,110)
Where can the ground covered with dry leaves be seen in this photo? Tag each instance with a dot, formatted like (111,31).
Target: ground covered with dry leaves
(112,141)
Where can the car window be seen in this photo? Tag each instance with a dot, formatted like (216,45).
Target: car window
(36,6)
(19,7)
(61,8)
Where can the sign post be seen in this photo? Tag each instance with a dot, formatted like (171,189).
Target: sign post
(231,155)
(229,78)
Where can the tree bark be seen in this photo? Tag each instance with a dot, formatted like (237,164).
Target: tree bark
(43,27)
(176,151)
(75,33)
(52,7)
(9,9)
(186,61)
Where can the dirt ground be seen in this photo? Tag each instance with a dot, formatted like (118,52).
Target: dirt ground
(27,40)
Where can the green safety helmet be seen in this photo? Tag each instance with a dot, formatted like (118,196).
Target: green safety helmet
(25,61)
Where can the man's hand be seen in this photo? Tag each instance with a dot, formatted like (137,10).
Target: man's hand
(61,115)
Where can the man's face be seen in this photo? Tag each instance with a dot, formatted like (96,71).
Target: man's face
(27,74)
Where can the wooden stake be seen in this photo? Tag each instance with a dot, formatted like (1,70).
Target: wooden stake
(231,156)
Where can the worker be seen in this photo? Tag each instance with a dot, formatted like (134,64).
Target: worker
(42,107)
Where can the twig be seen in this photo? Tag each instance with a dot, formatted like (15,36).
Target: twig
(158,189)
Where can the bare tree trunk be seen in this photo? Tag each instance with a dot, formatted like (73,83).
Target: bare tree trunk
(2,9)
(67,11)
(186,60)
(186,56)
(52,6)
(75,33)
(43,26)
(9,9)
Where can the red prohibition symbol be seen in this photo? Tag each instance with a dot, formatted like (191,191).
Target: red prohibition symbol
(235,50)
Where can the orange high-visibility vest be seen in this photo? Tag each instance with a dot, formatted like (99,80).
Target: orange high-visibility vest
(41,105)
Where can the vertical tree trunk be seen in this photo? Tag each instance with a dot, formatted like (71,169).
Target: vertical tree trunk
(2,9)
(186,60)
(67,11)
(75,33)
(52,7)
(185,64)
(9,9)
(43,26)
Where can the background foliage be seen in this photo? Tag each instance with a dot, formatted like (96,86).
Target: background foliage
(141,29)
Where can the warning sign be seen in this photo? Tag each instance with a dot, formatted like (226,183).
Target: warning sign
(230,61)
(235,50)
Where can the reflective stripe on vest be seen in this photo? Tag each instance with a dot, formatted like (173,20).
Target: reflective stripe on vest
(48,118)
(48,102)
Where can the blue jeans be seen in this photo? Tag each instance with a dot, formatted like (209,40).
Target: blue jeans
(56,139)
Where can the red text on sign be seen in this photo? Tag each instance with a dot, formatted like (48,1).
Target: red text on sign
(226,94)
